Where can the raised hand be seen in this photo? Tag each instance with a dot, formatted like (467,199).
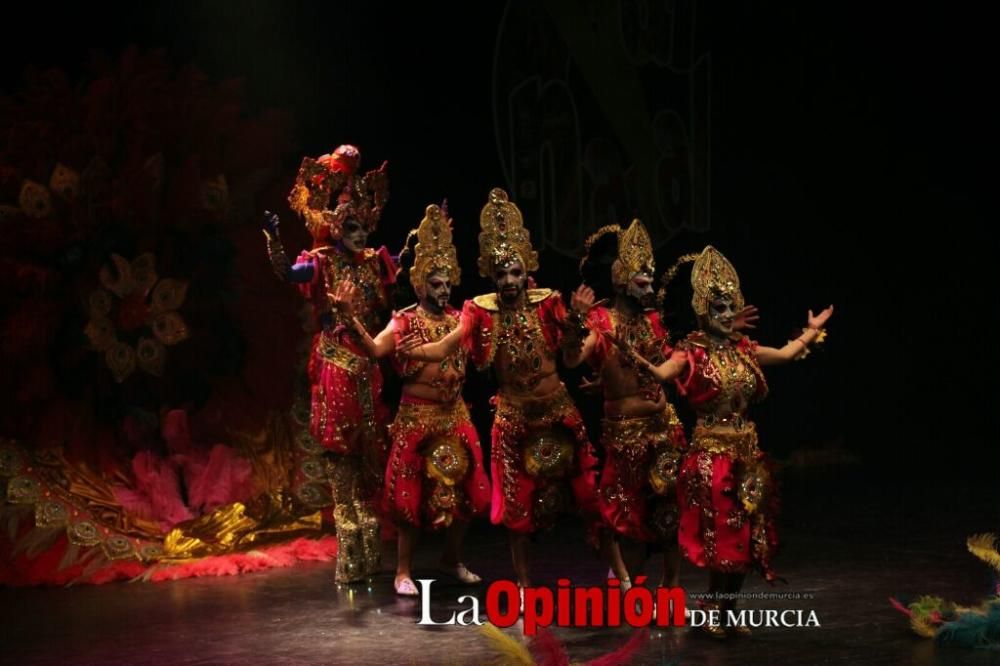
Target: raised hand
(817,320)
(280,264)
(271,224)
(408,343)
(746,318)
(344,297)
(582,299)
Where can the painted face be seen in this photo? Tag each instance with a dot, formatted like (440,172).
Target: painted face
(721,314)
(437,291)
(354,236)
(640,289)
(510,279)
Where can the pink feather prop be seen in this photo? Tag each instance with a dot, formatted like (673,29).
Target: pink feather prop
(155,494)
(221,478)
(625,653)
(900,607)
(547,650)
(275,557)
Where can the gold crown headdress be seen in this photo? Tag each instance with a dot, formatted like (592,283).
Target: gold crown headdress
(320,179)
(503,237)
(635,254)
(434,250)
(713,276)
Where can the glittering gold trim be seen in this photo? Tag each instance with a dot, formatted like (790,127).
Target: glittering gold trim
(434,250)
(503,237)
(635,254)
(712,276)
(740,445)
(342,357)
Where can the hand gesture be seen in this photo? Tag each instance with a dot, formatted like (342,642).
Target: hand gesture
(344,297)
(817,321)
(746,318)
(408,343)
(271,224)
(582,300)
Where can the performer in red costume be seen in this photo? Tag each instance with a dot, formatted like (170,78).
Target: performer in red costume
(435,476)
(542,461)
(347,414)
(642,437)
(725,490)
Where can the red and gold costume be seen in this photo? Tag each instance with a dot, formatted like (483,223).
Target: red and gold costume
(346,384)
(542,461)
(643,446)
(347,415)
(637,493)
(435,471)
(727,497)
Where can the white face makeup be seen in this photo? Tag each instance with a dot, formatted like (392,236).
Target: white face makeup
(721,314)
(437,292)
(510,280)
(354,237)
(640,289)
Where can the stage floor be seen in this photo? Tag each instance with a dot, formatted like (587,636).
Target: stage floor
(851,566)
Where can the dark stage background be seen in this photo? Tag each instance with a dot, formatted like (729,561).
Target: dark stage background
(834,152)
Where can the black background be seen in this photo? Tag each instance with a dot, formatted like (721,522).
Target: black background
(850,164)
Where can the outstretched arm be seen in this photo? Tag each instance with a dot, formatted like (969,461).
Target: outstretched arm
(433,351)
(797,347)
(300,272)
(667,371)
(382,344)
(344,298)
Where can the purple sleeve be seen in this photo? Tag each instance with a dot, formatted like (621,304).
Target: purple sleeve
(301,272)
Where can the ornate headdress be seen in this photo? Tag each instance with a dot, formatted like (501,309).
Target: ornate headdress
(617,253)
(361,198)
(713,276)
(635,254)
(503,237)
(434,250)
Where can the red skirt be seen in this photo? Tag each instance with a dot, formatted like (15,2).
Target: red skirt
(542,463)
(435,473)
(347,412)
(637,495)
(728,503)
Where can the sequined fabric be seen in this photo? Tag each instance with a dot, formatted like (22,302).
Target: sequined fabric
(523,502)
(446,376)
(726,491)
(728,504)
(413,493)
(637,494)
(359,552)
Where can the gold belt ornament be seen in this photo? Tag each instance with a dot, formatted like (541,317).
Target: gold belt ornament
(633,436)
(342,357)
(548,452)
(740,444)
(446,460)
(531,410)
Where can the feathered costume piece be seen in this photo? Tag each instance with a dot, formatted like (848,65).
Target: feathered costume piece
(544,649)
(961,626)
